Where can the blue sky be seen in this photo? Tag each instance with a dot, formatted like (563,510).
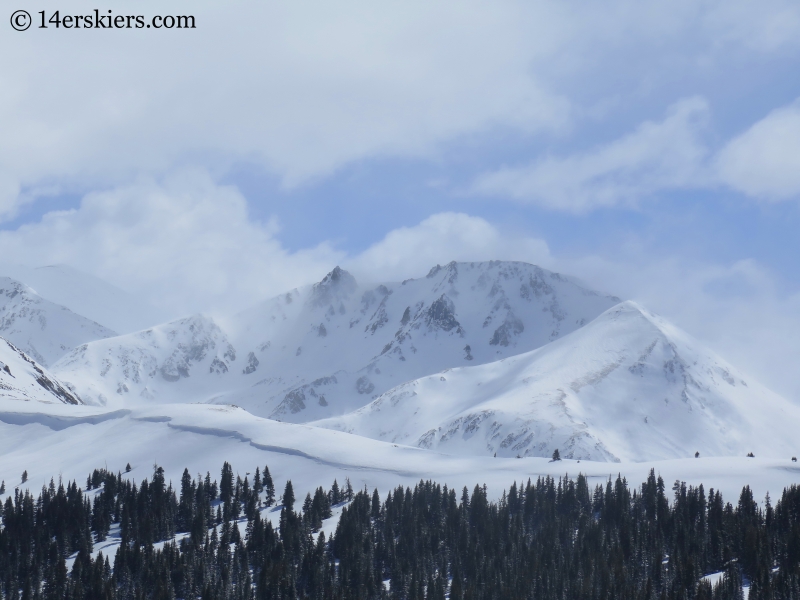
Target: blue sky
(652,150)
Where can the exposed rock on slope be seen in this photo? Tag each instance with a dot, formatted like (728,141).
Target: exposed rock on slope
(22,379)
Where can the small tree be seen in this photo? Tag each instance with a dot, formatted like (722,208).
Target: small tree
(556,455)
(334,494)
(3,487)
(269,486)
(697,454)
(24,476)
(348,490)
(128,468)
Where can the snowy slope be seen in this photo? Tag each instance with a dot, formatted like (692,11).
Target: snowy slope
(334,346)
(202,437)
(628,386)
(87,296)
(184,360)
(22,380)
(43,330)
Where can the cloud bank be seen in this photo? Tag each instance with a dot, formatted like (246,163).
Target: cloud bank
(305,89)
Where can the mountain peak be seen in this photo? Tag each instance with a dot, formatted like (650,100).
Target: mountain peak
(45,331)
(337,283)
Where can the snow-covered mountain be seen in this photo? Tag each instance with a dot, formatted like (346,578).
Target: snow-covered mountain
(184,361)
(87,296)
(627,386)
(335,346)
(329,348)
(474,358)
(43,330)
(22,380)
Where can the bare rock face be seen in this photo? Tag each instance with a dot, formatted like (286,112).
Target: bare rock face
(505,334)
(252,364)
(364,385)
(441,315)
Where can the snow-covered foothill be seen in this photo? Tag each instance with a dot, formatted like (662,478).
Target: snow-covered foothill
(628,386)
(201,437)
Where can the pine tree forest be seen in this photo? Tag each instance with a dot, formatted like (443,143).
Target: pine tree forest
(545,539)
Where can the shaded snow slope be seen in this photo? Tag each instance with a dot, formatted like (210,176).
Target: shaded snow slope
(22,380)
(202,437)
(87,296)
(334,346)
(43,330)
(628,386)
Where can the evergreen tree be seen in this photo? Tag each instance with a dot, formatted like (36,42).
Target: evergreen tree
(549,539)
(226,483)
(348,490)
(269,486)
(288,496)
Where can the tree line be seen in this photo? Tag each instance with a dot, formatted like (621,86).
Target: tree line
(544,539)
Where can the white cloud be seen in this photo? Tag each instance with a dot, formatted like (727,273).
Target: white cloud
(764,161)
(305,88)
(10,199)
(411,251)
(185,244)
(656,156)
(301,88)
(768,26)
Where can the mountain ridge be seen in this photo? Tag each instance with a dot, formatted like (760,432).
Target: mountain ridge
(627,386)
(286,359)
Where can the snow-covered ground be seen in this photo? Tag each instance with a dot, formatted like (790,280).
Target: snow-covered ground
(201,437)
